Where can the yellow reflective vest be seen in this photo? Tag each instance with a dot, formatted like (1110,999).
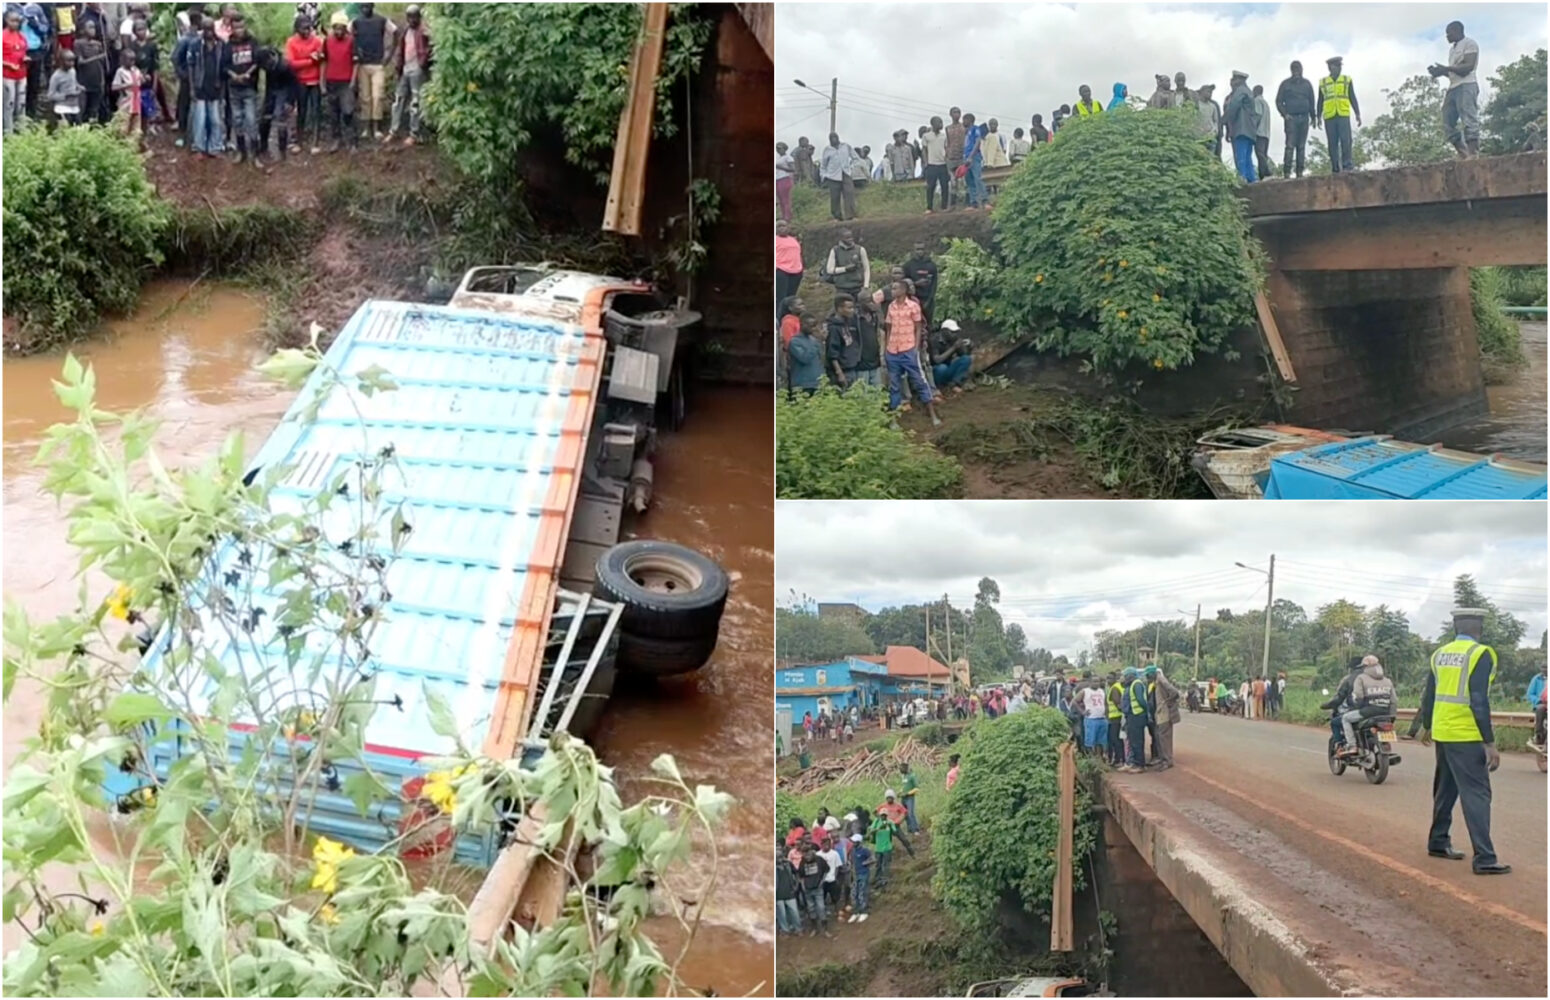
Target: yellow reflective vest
(1116,689)
(1452,665)
(1088,110)
(1138,697)
(1337,96)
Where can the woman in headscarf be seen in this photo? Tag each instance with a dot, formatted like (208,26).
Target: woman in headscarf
(1120,93)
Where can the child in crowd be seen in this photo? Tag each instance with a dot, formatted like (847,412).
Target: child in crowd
(126,89)
(64,91)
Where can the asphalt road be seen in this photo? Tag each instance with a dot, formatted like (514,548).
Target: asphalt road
(1345,861)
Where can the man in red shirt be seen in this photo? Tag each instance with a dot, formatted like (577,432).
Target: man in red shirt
(304,51)
(13,45)
(906,323)
(339,81)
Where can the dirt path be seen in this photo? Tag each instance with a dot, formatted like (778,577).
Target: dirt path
(1008,467)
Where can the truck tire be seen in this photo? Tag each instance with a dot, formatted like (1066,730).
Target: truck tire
(668,591)
(650,657)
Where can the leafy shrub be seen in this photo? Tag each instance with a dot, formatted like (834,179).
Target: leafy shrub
(786,806)
(504,71)
(81,230)
(844,446)
(969,278)
(996,837)
(930,733)
(1501,343)
(1522,286)
(1124,242)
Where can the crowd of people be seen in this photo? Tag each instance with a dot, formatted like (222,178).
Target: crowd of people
(1255,698)
(232,93)
(827,870)
(951,157)
(1114,716)
(878,333)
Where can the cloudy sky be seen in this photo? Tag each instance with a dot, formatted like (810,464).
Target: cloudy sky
(1068,569)
(900,63)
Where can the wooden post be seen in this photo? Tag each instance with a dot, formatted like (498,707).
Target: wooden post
(1267,320)
(627,182)
(1060,933)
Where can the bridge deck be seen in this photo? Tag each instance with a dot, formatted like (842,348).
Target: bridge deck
(1521,175)
(1316,885)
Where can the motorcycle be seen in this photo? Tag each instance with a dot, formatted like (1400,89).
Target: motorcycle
(1375,736)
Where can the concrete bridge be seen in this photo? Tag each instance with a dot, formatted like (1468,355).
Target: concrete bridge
(1368,291)
(1314,885)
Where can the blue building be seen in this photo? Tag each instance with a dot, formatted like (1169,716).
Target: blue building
(864,681)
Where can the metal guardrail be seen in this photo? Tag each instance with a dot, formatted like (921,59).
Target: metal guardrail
(1525,310)
(1497,718)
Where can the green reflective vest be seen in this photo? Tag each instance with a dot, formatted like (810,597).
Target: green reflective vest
(1116,689)
(1452,665)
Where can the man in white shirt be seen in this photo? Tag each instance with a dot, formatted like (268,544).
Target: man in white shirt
(933,151)
(1461,105)
(1095,709)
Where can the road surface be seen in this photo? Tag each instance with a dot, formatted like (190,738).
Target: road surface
(1343,863)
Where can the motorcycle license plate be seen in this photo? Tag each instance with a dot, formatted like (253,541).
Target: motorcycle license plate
(1387,737)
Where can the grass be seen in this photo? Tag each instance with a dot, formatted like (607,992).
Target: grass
(1302,708)
(878,200)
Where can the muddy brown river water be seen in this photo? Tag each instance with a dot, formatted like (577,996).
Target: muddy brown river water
(187,355)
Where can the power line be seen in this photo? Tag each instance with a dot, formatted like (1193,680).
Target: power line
(1327,567)
(821,111)
(1377,585)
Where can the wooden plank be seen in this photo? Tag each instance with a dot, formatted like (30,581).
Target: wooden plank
(632,147)
(1501,232)
(1267,322)
(1061,937)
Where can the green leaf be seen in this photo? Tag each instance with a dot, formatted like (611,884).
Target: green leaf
(289,366)
(131,708)
(666,766)
(364,790)
(443,723)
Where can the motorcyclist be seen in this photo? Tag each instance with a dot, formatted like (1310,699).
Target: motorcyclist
(1372,696)
(1340,703)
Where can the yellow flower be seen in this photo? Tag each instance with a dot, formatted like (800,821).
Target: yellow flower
(1107,301)
(118,602)
(1123,314)
(1124,263)
(1143,332)
(329,855)
(473,88)
(440,787)
(328,914)
(1102,260)
(1108,277)
(97,928)
(1157,363)
(1156,297)
(1038,279)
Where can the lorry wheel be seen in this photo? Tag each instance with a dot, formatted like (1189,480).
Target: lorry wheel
(651,657)
(668,591)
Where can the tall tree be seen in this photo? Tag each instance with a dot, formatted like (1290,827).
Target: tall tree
(1410,131)
(1318,155)
(1517,101)
(1503,630)
(1017,645)
(1345,624)
(987,636)
(803,637)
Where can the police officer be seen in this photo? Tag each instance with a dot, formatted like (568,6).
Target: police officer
(1456,708)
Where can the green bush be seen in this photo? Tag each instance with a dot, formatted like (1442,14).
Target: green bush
(839,799)
(1501,343)
(930,733)
(998,833)
(969,278)
(505,71)
(1522,286)
(1124,243)
(82,227)
(844,446)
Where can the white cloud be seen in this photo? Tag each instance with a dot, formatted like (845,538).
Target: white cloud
(1068,569)
(899,63)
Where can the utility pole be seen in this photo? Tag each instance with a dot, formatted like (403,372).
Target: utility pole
(948,613)
(928,647)
(1196,676)
(1270,596)
(1157,643)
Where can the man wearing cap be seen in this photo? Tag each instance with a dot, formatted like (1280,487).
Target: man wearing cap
(1334,109)
(339,82)
(412,61)
(1456,709)
(900,157)
(1461,105)
(1242,125)
(1294,102)
(952,357)
(1134,707)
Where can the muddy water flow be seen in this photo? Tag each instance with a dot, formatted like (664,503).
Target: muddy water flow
(187,356)
(1516,425)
